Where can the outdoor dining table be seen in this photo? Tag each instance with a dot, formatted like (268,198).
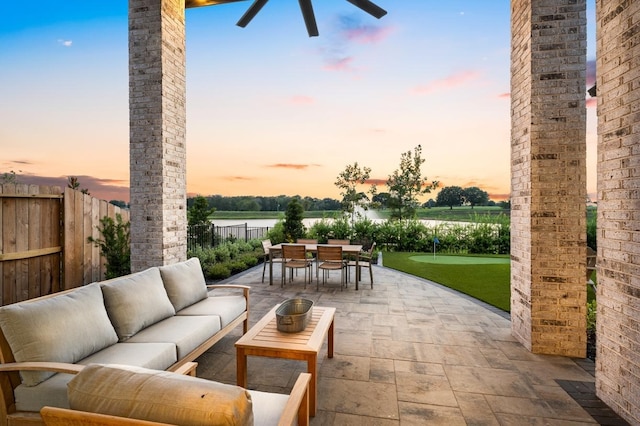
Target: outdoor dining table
(347,249)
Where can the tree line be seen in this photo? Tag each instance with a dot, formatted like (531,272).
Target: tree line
(263,203)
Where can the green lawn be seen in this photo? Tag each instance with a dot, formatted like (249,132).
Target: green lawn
(460,214)
(313,214)
(489,282)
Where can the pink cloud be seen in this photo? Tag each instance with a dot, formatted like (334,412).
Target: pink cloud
(449,82)
(302,100)
(367,34)
(505,95)
(592,103)
(340,64)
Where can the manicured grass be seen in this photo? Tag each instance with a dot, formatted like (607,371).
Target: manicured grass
(487,282)
(313,214)
(459,214)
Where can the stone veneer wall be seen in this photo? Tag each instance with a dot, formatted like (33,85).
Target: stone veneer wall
(548,176)
(157,132)
(618,316)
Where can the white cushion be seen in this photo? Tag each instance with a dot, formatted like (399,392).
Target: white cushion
(227,308)
(186,333)
(184,282)
(157,356)
(64,328)
(158,396)
(136,301)
(267,407)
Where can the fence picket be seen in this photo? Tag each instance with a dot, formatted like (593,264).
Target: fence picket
(43,240)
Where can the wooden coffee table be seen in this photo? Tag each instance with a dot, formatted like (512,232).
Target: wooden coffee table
(264,339)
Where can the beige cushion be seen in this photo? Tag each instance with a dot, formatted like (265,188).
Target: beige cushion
(227,308)
(136,301)
(184,283)
(158,396)
(63,328)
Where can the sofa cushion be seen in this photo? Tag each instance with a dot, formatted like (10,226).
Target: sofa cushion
(227,308)
(51,392)
(136,301)
(157,356)
(267,407)
(63,328)
(184,282)
(158,396)
(186,333)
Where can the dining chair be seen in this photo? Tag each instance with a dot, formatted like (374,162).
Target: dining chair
(270,256)
(294,258)
(330,258)
(339,242)
(365,260)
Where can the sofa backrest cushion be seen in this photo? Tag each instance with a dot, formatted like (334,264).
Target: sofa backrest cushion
(62,328)
(158,396)
(184,282)
(136,301)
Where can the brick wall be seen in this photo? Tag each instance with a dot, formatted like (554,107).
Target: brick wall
(157,132)
(548,160)
(618,316)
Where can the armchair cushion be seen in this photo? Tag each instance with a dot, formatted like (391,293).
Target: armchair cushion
(158,396)
(136,301)
(184,282)
(81,327)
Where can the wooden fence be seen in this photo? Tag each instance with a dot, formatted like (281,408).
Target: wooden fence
(43,240)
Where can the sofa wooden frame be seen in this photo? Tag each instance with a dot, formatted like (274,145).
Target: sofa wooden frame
(9,368)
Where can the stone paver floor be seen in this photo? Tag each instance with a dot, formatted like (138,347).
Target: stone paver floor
(410,352)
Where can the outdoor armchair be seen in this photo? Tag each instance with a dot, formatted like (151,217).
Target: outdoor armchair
(294,258)
(365,260)
(330,258)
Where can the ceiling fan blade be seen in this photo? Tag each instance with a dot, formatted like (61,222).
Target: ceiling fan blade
(369,7)
(309,17)
(251,12)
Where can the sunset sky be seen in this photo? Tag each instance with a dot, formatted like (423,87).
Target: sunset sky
(270,110)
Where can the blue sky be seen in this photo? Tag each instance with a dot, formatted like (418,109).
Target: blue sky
(269,110)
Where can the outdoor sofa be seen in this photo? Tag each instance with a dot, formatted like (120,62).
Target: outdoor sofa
(161,318)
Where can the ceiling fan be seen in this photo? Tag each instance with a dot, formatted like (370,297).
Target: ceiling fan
(308,15)
(305,6)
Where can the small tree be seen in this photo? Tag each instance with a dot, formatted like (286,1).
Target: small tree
(348,181)
(475,196)
(406,184)
(114,246)
(199,211)
(293,226)
(450,196)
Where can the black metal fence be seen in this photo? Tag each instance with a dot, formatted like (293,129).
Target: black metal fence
(210,235)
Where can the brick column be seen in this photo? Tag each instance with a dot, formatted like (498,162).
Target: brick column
(618,316)
(157,132)
(548,175)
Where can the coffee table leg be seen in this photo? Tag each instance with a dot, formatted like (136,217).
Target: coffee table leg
(312,367)
(241,368)
(330,341)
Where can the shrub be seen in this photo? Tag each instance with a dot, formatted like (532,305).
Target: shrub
(114,246)
(236,266)
(218,271)
(248,259)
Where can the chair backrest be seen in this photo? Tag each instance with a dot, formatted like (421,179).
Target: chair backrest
(326,252)
(306,241)
(294,251)
(372,248)
(339,242)
(266,244)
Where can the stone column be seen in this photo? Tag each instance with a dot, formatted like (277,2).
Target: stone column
(618,264)
(157,132)
(548,175)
